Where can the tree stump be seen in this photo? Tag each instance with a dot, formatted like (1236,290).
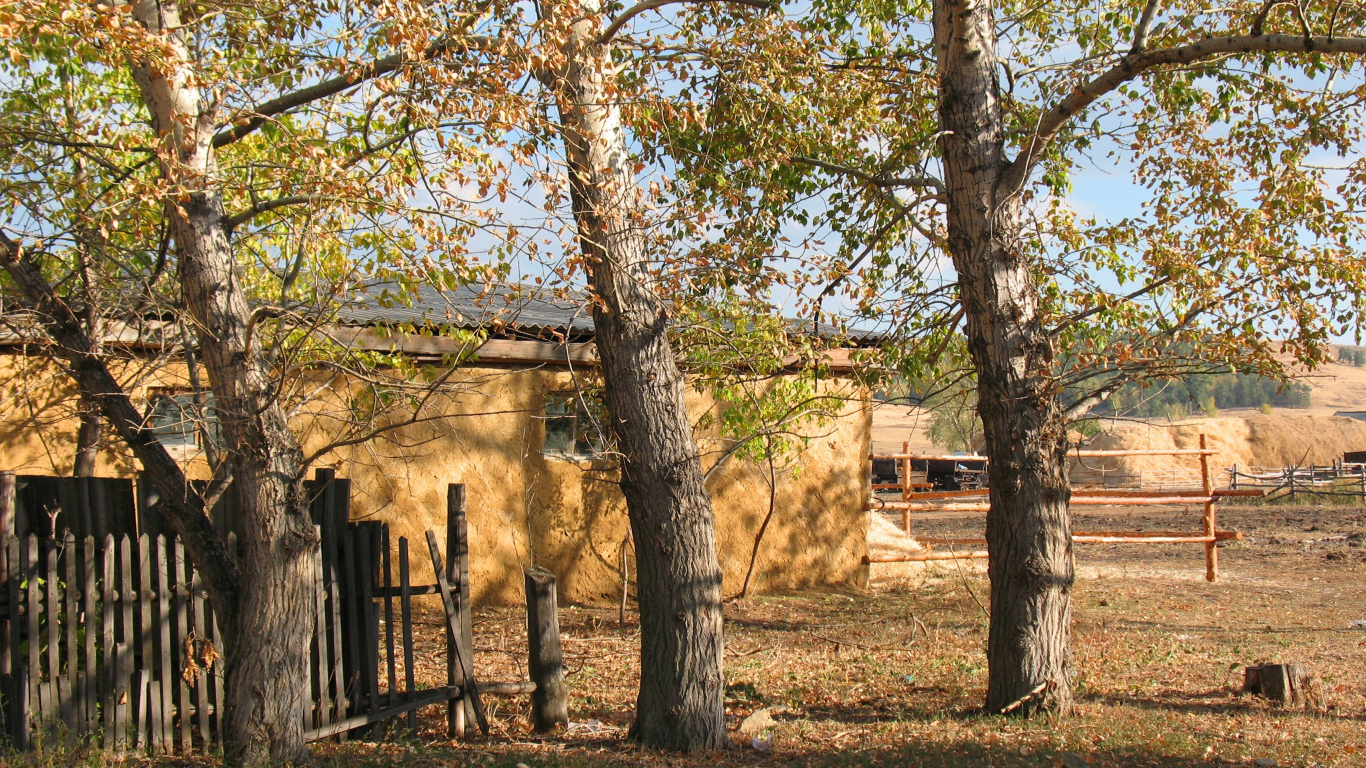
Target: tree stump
(1284,683)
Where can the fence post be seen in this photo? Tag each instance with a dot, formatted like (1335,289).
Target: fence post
(7,491)
(545,661)
(1211,550)
(22,734)
(906,487)
(462,653)
(459,711)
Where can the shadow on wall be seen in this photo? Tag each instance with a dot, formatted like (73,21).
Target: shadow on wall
(570,517)
(578,522)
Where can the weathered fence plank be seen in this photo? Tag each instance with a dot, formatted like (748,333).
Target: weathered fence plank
(405,604)
(456,649)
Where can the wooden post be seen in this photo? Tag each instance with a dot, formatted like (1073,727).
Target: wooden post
(1211,550)
(545,661)
(463,654)
(22,733)
(391,663)
(906,487)
(459,711)
(7,491)
(405,605)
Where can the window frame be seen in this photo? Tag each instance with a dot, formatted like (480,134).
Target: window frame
(183,434)
(584,441)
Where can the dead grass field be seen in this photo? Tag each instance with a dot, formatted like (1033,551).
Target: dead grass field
(894,676)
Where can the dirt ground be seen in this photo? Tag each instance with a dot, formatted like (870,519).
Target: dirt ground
(894,676)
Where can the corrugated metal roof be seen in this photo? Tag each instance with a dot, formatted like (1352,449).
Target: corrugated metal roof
(525,312)
(514,311)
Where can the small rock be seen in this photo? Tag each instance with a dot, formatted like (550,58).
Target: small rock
(1264,762)
(1357,624)
(523,765)
(758,721)
(761,744)
(1074,760)
(1104,602)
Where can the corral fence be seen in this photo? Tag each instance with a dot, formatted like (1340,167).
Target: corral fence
(978,500)
(107,638)
(1088,475)
(1341,479)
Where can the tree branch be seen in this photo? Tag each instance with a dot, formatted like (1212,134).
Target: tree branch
(1135,64)
(1145,22)
(237,219)
(1149,288)
(646,5)
(918,182)
(333,86)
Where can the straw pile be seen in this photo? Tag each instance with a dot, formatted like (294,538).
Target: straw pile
(1258,440)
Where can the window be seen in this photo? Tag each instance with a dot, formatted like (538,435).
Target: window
(570,428)
(174,417)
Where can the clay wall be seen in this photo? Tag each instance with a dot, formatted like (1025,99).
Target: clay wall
(524,506)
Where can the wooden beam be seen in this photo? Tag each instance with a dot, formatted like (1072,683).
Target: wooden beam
(983,506)
(1108,537)
(926,457)
(1177,539)
(922,557)
(1098,454)
(1085,496)
(416,701)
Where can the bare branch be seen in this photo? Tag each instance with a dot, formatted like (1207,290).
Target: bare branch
(918,182)
(647,5)
(236,220)
(255,118)
(1149,288)
(1259,21)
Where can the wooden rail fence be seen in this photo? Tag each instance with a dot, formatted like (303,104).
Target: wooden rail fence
(913,500)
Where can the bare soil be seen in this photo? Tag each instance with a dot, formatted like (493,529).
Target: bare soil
(894,676)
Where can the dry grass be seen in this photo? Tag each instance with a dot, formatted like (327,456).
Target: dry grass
(894,677)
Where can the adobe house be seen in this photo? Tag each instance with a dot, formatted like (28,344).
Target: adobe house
(522,439)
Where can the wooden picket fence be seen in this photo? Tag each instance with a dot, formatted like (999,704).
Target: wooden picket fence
(112,642)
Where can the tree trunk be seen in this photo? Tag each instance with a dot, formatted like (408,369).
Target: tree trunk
(266,668)
(87,438)
(265,662)
(681,701)
(1028,528)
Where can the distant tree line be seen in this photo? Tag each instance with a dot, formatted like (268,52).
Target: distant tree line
(1178,398)
(1354,356)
